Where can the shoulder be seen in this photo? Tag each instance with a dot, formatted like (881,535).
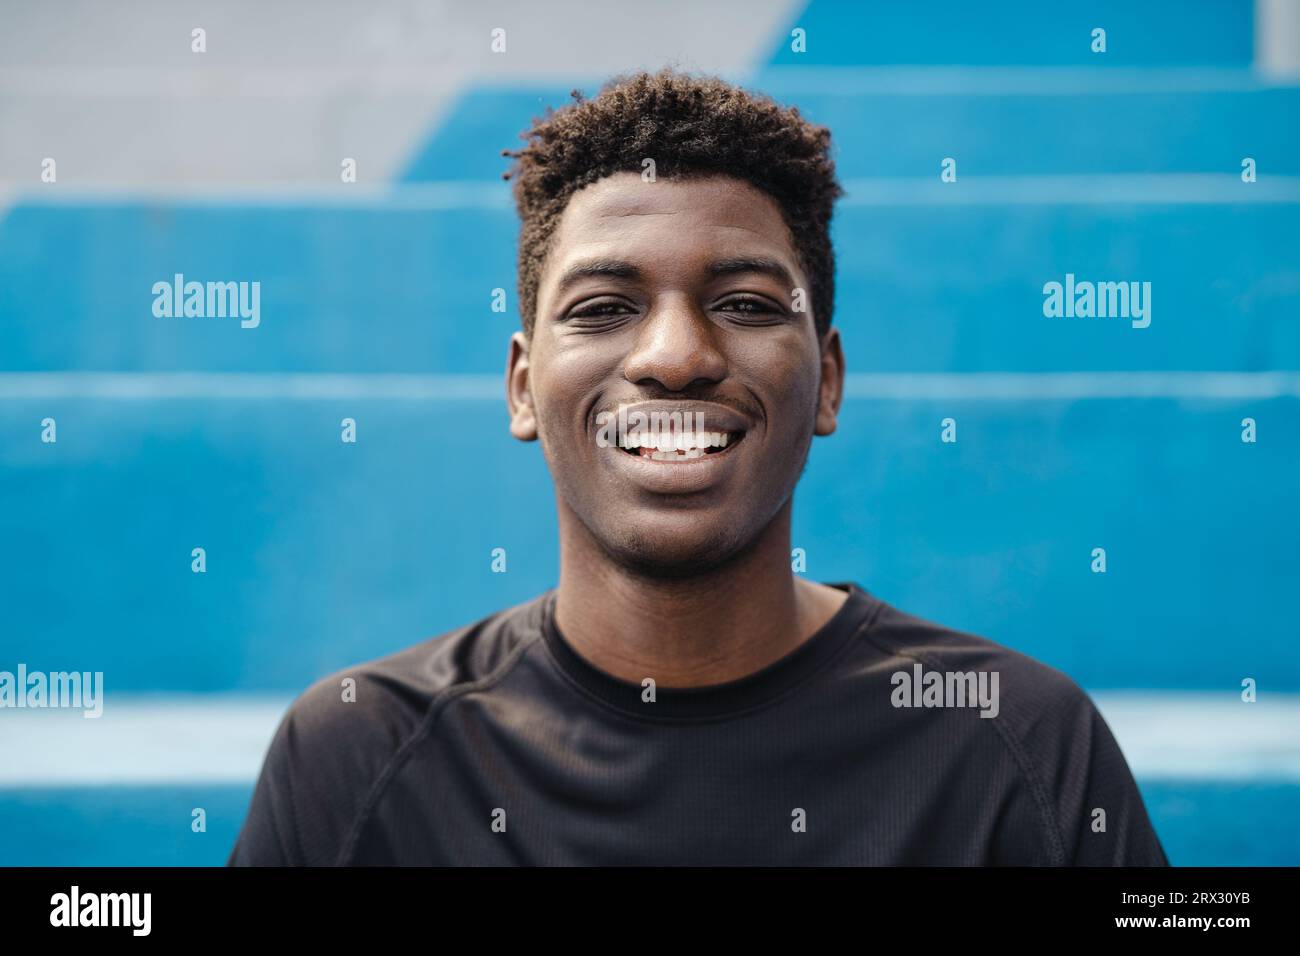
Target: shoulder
(338,737)
(1037,700)
(390,695)
(1048,727)
(378,703)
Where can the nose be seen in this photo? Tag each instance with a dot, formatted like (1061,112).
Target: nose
(676,348)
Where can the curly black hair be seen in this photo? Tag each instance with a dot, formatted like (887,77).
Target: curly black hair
(690,126)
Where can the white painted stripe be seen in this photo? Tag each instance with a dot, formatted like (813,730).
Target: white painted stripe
(1205,736)
(1073,190)
(291,386)
(1070,386)
(223,738)
(140,740)
(920,386)
(434,196)
(548,75)
(157,84)
(485,194)
(789,81)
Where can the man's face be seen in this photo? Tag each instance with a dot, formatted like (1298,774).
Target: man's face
(674,295)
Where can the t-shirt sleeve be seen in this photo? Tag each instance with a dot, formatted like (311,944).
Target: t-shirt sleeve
(327,753)
(268,836)
(1101,815)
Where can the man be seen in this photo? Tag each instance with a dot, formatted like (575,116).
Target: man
(682,697)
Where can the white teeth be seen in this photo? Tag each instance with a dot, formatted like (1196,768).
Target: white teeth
(672,444)
(686,441)
(677,456)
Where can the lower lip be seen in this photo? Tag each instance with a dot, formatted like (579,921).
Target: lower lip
(676,477)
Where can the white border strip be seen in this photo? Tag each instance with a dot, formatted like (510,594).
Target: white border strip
(1067,190)
(144,739)
(222,738)
(970,190)
(921,386)
(431,196)
(290,386)
(789,81)
(1036,386)
(782,81)
(1204,736)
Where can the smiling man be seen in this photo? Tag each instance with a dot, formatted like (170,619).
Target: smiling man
(682,696)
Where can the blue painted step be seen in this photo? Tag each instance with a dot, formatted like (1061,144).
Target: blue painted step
(1023,32)
(921,288)
(321,554)
(902,131)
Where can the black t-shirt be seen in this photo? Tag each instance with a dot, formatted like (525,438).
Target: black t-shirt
(497,744)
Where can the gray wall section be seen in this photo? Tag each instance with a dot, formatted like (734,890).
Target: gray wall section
(115,95)
(1277,38)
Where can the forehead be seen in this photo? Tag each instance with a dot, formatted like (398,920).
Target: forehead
(677,221)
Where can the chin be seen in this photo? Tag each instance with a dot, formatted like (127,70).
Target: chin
(662,554)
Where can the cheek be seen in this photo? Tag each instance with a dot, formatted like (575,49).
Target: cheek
(790,386)
(808,373)
(804,379)
(565,386)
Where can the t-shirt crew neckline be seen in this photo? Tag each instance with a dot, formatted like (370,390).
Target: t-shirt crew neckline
(716,700)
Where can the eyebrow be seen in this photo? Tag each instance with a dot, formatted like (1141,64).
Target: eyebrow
(597,268)
(621,269)
(769,267)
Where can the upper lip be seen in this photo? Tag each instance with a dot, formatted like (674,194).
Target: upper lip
(717,418)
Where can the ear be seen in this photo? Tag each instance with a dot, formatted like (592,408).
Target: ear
(519,397)
(831,392)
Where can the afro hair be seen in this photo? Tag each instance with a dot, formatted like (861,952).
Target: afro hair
(690,126)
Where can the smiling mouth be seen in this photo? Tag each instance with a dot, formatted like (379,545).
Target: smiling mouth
(683,446)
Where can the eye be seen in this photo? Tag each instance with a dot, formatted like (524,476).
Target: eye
(598,312)
(751,308)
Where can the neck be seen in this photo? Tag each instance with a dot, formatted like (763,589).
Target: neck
(710,628)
